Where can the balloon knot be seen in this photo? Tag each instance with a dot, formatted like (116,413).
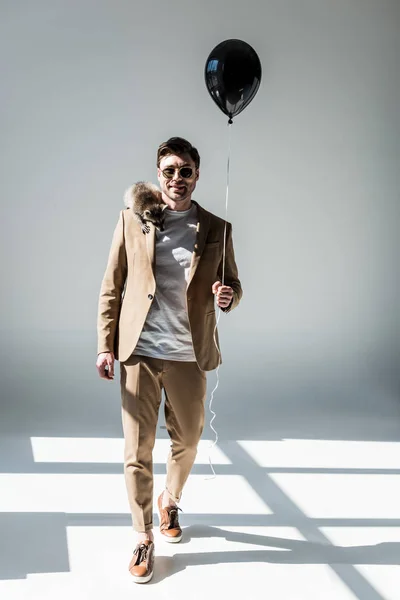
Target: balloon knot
(230,122)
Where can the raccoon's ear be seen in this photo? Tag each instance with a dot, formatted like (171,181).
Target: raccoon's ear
(147,212)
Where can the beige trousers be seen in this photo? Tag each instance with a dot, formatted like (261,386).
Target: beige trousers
(142,381)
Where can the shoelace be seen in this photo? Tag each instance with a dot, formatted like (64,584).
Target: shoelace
(173,514)
(141,552)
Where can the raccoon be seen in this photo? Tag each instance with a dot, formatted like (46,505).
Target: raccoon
(144,199)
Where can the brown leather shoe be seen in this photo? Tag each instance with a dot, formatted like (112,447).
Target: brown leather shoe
(169,522)
(142,563)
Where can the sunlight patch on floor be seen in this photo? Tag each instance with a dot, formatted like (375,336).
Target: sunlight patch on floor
(110,450)
(338,496)
(323,454)
(104,493)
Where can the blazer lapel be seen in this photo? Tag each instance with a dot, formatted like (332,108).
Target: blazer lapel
(203,225)
(151,247)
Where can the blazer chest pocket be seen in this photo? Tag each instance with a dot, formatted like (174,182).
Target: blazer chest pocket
(210,247)
(211,253)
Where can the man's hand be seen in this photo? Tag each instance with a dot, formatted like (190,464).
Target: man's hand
(105,359)
(223,293)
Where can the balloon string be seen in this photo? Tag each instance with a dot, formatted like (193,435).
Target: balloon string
(219,312)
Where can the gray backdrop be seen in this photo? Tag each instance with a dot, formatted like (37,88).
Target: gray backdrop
(89,89)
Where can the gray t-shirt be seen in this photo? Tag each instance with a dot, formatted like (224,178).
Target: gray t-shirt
(166,332)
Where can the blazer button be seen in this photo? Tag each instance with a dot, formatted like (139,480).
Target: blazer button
(150,297)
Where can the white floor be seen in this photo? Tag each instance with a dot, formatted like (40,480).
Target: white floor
(287,519)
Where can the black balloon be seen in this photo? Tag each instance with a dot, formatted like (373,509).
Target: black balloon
(233,75)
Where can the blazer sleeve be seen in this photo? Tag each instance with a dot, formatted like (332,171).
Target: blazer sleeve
(111,290)
(231,277)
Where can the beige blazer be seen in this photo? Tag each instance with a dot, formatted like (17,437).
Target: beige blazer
(128,286)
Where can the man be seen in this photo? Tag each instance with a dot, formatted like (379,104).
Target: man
(157,317)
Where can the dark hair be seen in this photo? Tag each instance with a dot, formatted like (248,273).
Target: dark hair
(179,146)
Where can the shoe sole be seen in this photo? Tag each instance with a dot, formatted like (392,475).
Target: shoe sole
(172,540)
(142,579)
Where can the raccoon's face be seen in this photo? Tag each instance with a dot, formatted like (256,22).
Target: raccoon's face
(156,216)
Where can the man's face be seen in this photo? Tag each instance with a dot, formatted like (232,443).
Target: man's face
(177,187)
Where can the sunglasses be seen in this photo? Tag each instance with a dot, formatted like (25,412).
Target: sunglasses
(184,172)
